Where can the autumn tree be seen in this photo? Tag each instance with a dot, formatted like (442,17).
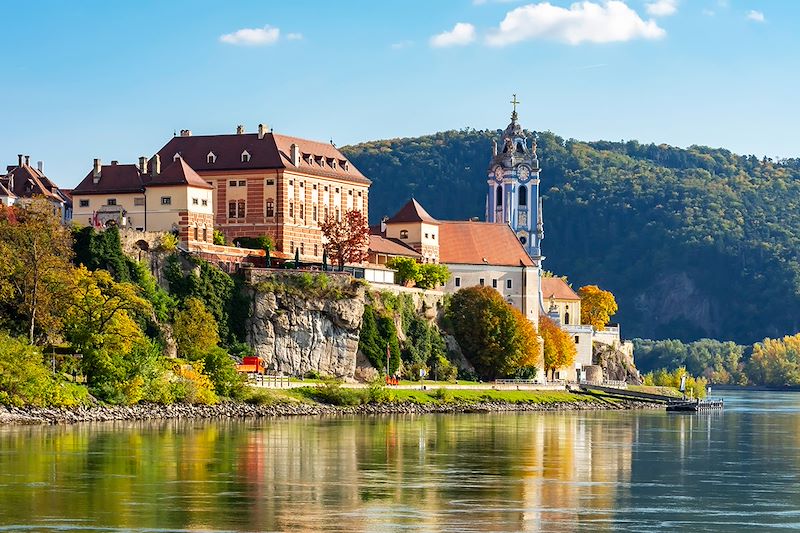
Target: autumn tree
(36,253)
(597,306)
(195,329)
(559,350)
(775,362)
(407,269)
(496,338)
(347,239)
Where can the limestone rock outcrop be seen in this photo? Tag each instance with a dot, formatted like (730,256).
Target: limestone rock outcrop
(616,365)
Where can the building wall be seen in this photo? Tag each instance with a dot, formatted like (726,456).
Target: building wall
(132,203)
(523,293)
(582,337)
(421,236)
(569,311)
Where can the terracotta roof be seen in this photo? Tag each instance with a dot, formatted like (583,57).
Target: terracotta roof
(382,245)
(557,289)
(273,151)
(177,173)
(469,243)
(412,212)
(25,182)
(114,179)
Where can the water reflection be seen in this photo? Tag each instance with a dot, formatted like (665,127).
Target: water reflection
(503,472)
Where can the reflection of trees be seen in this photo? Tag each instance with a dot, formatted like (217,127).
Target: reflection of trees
(508,472)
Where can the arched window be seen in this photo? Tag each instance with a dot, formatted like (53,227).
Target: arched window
(523,195)
(498,193)
(566,318)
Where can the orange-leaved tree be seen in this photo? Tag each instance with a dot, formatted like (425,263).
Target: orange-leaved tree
(496,338)
(347,238)
(597,306)
(559,350)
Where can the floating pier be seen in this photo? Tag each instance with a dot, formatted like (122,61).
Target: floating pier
(694,406)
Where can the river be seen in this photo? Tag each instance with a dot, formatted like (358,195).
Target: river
(578,471)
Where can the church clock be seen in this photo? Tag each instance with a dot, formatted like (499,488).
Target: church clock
(523,173)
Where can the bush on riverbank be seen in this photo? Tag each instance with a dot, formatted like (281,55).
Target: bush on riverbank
(695,386)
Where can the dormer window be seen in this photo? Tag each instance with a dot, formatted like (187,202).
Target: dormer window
(308,158)
(332,163)
(211,157)
(319,161)
(245,157)
(346,166)
(176,156)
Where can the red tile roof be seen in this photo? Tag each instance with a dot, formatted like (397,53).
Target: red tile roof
(412,212)
(557,289)
(382,245)
(273,151)
(25,182)
(114,179)
(469,243)
(177,173)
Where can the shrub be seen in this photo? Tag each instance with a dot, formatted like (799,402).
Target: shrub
(221,370)
(408,270)
(432,275)
(442,395)
(379,393)
(191,385)
(332,393)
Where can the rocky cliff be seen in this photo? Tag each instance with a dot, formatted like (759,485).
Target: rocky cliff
(304,323)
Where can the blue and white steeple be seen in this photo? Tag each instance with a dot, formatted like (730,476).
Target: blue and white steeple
(513,179)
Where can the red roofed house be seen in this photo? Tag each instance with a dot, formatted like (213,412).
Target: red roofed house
(146,197)
(270,184)
(23,182)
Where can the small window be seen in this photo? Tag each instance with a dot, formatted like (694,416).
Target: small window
(314,187)
(337,190)
(205,235)
(326,188)
(176,156)
(84,203)
(359,193)
(523,196)
(240,209)
(291,209)
(205,202)
(195,233)
(577,339)
(338,216)
(508,284)
(138,201)
(232,183)
(482,282)
(302,248)
(433,236)
(314,214)
(499,196)
(302,184)
(494,283)
(270,182)
(302,212)
(242,183)
(245,157)
(270,208)
(211,158)
(350,192)
(291,246)
(315,251)
(404,234)
(231,209)
(166,200)
(111,201)
(195,201)
(291,182)
(458,282)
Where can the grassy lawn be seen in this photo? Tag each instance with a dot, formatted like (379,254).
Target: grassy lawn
(665,391)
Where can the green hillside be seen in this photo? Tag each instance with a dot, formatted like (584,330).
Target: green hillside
(695,242)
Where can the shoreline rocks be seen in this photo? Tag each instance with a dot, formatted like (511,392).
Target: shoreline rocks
(55,415)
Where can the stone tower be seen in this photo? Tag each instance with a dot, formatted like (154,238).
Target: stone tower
(513,196)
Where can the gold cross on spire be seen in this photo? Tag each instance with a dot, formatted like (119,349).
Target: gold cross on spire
(514,102)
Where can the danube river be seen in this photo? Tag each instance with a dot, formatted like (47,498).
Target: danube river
(590,471)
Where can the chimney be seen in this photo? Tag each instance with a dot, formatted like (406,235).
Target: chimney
(96,171)
(142,165)
(19,160)
(261,131)
(295,155)
(239,130)
(114,162)
(40,166)
(155,168)
(383,225)
(186,133)
(27,160)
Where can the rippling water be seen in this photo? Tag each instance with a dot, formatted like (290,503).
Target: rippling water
(614,471)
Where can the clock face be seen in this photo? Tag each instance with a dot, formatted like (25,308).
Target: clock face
(524,173)
(498,173)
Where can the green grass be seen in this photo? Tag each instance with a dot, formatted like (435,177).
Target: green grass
(650,389)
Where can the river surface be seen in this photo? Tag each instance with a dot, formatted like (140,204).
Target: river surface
(587,471)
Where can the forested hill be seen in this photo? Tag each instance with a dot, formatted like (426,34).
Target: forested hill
(695,242)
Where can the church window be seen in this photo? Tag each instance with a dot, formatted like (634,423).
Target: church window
(523,240)
(508,284)
(523,195)
(270,208)
(566,318)
(404,234)
(499,195)
(458,282)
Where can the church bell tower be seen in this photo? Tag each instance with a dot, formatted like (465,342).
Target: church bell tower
(513,179)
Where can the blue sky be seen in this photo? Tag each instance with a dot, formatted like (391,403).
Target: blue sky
(115,79)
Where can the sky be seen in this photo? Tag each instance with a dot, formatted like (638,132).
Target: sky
(115,80)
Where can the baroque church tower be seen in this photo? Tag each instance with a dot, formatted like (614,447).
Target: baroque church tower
(513,196)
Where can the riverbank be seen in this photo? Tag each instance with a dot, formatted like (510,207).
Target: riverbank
(106,413)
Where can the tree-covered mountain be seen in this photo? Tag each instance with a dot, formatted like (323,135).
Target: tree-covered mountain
(695,242)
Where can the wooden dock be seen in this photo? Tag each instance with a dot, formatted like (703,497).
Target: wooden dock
(695,406)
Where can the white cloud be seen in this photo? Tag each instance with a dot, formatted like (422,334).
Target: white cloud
(252,36)
(461,34)
(662,8)
(294,36)
(586,21)
(401,45)
(756,16)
